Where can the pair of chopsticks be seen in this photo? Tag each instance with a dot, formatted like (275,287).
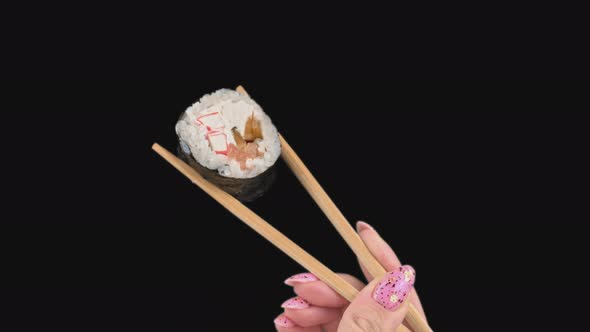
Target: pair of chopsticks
(413,319)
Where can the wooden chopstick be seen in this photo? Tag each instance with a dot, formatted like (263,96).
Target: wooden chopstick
(414,319)
(319,195)
(262,227)
(326,204)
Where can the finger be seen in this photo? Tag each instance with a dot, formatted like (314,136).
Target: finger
(303,278)
(303,314)
(284,324)
(378,247)
(320,294)
(313,316)
(366,272)
(333,326)
(384,254)
(382,305)
(298,329)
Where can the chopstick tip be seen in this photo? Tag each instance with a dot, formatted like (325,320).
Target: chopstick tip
(241,90)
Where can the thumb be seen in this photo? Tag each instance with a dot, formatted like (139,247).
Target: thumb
(381,306)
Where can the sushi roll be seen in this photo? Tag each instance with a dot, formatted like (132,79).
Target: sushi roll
(227,138)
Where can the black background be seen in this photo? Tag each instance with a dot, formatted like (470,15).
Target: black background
(485,196)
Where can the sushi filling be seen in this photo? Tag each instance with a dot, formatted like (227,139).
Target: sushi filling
(245,147)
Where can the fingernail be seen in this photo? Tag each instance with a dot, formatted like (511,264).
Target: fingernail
(361,226)
(284,321)
(295,303)
(301,277)
(395,287)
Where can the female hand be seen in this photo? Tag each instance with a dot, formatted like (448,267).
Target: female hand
(379,306)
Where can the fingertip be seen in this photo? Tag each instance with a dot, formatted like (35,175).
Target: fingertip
(295,303)
(313,316)
(319,294)
(361,226)
(380,249)
(392,291)
(283,321)
(300,278)
(409,273)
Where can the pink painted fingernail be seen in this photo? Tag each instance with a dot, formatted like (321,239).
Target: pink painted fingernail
(395,287)
(301,277)
(295,303)
(284,321)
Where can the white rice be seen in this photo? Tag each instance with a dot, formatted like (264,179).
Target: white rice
(218,113)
